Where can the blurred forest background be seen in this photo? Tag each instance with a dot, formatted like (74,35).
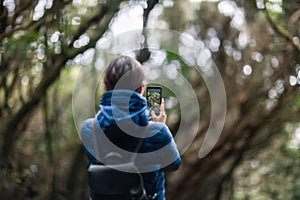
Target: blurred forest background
(254,43)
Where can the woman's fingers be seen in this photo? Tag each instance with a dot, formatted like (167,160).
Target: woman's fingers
(162,115)
(162,105)
(153,115)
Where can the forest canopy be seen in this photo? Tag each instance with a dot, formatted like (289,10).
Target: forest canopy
(230,71)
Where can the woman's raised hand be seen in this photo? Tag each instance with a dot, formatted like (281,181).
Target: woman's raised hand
(162,117)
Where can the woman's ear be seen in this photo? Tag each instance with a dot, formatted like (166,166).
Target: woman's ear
(103,88)
(141,89)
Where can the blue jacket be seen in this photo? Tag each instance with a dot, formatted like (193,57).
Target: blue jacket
(123,119)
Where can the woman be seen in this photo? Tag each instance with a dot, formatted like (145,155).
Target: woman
(124,119)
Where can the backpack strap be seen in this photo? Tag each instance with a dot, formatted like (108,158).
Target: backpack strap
(121,139)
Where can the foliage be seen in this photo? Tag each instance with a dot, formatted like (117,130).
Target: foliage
(254,44)
(272,173)
(38,139)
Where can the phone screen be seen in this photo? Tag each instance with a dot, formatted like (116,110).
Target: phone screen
(154,95)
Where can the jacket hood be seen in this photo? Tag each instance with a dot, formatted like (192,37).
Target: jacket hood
(122,105)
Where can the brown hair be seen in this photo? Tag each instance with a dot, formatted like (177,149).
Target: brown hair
(124,72)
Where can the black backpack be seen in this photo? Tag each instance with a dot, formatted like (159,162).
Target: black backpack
(115,181)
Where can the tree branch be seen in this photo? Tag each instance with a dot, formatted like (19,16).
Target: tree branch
(282,31)
(17,123)
(101,12)
(32,25)
(144,54)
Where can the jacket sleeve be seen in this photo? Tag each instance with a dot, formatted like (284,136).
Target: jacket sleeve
(173,166)
(87,142)
(170,152)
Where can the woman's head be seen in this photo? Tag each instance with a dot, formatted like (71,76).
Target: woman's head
(124,72)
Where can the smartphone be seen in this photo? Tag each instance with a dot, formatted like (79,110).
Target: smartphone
(154,95)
